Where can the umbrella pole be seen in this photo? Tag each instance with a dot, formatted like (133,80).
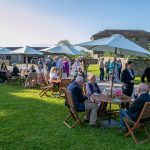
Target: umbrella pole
(27,62)
(112,79)
(3,59)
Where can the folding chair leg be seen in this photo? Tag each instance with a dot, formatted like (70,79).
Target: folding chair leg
(76,119)
(42,94)
(146,131)
(130,132)
(67,118)
(66,123)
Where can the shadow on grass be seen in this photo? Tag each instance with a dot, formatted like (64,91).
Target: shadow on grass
(30,122)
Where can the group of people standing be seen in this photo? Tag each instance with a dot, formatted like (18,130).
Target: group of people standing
(62,65)
(60,68)
(107,68)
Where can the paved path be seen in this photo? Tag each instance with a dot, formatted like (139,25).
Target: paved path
(107,84)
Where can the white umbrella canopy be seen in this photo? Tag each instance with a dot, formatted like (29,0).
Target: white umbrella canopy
(119,43)
(81,48)
(5,51)
(27,51)
(116,44)
(62,49)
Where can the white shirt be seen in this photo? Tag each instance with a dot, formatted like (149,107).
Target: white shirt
(76,65)
(40,71)
(53,75)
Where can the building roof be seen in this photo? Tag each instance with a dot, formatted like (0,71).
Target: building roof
(126,33)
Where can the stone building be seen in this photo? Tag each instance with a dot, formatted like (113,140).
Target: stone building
(140,37)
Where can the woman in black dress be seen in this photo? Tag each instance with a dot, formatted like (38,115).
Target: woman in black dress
(127,79)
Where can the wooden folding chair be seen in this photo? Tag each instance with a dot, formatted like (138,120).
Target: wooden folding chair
(45,87)
(13,80)
(31,80)
(141,123)
(73,112)
(63,86)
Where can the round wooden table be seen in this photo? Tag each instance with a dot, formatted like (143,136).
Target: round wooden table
(103,99)
(55,81)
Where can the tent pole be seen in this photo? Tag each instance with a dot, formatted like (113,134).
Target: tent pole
(113,72)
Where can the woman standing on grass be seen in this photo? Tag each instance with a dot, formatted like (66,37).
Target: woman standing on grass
(113,70)
(127,79)
(65,68)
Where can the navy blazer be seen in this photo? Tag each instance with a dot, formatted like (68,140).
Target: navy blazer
(77,95)
(126,77)
(90,89)
(137,106)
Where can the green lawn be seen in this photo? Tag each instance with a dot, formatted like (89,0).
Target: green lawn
(28,122)
(95,70)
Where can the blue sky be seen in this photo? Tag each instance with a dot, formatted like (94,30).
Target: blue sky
(26,22)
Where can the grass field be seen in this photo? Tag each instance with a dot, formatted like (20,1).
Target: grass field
(95,70)
(28,122)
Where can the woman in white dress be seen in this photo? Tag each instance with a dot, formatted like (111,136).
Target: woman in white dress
(76,65)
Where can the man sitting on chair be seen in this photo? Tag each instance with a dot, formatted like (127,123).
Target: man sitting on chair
(81,102)
(136,107)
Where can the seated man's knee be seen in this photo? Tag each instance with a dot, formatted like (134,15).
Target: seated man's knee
(96,106)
